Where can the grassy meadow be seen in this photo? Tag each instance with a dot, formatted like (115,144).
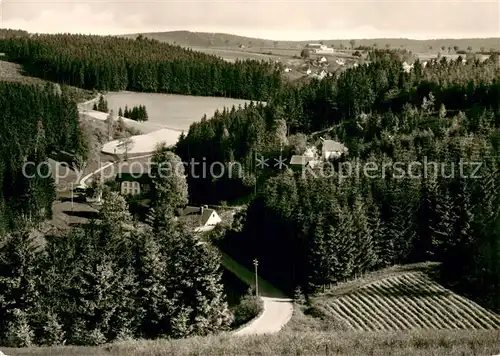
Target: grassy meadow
(415,343)
(175,112)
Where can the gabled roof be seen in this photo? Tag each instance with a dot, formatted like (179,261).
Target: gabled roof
(302,160)
(330,145)
(206,215)
(188,210)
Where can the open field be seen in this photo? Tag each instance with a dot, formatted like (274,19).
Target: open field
(214,40)
(394,300)
(176,112)
(430,343)
(168,114)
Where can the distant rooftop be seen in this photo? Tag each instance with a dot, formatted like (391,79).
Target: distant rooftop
(298,159)
(333,146)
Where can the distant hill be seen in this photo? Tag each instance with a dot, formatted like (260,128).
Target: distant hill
(206,39)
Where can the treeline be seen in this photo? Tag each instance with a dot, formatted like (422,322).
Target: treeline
(382,87)
(311,231)
(137,113)
(111,279)
(34,121)
(114,64)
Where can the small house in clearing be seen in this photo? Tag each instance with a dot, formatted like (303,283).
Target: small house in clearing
(332,149)
(204,218)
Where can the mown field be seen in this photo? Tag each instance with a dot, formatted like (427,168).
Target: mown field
(214,40)
(397,299)
(429,343)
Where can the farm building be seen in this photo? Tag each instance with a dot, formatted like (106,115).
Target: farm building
(204,218)
(133,180)
(323,60)
(332,149)
(319,48)
(299,162)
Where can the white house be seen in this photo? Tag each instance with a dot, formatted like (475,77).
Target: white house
(319,48)
(340,61)
(208,218)
(311,152)
(323,60)
(407,67)
(288,70)
(332,149)
(308,71)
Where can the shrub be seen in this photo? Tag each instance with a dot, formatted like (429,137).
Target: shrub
(249,307)
(19,333)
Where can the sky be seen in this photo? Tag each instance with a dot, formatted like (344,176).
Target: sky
(276,20)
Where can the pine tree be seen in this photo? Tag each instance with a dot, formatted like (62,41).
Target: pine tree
(19,255)
(115,213)
(341,247)
(365,257)
(126,113)
(169,186)
(196,291)
(52,331)
(152,298)
(18,332)
(120,112)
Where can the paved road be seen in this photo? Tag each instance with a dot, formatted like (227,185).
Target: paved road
(278,308)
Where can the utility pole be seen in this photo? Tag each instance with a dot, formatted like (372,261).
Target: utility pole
(256,264)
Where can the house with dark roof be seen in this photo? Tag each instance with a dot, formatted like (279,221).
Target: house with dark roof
(134,179)
(203,217)
(300,161)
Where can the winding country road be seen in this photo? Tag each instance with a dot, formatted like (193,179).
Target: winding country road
(278,308)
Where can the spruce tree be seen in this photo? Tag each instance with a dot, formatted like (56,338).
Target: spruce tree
(19,256)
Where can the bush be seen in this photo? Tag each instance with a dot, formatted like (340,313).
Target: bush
(250,306)
(18,333)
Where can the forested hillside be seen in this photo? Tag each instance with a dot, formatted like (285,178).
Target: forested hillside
(34,121)
(327,225)
(111,63)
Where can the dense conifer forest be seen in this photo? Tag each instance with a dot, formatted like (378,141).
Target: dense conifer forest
(115,278)
(311,229)
(34,121)
(114,64)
